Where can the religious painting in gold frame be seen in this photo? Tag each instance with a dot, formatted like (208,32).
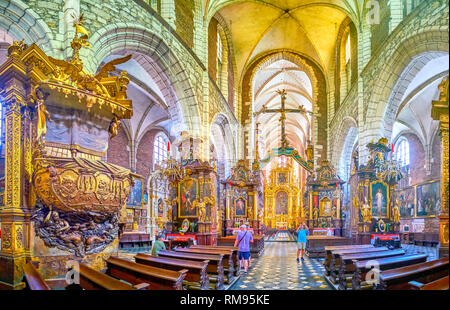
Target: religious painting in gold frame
(187,196)
(379,199)
(136,197)
(240,207)
(325,207)
(282,178)
(428,199)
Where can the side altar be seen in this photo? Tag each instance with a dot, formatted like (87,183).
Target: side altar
(323,199)
(62,202)
(243,198)
(375,206)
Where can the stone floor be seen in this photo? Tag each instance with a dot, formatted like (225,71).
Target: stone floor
(277,268)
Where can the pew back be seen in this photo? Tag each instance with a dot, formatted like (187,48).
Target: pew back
(33,279)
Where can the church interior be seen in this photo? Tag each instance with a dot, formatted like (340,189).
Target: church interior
(125,124)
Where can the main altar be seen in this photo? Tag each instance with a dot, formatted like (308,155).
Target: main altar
(283,199)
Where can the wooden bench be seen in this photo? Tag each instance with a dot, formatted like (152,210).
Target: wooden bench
(234,249)
(362,268)
(347,266)
(228,262)
(336,254)
(159,279)
(215,266)
(129,240)
(33,279)
(399,278)
(196,277)
(329,249)
(437,285)
(91,279)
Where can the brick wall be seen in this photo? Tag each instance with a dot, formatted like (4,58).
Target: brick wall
(118,150)
(144,154)
(184,12)
(418,172)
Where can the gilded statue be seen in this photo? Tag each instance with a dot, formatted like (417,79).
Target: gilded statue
(366,212)
(43,115)
(114,127)
(396,212)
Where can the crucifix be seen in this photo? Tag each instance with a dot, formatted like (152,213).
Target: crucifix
(283,110)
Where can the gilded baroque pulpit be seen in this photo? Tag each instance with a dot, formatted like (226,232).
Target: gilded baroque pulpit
(323,202)
(61,201)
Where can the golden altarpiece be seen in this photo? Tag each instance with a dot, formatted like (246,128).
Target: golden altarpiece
(243,198)
(323,199)
(61,201)
(282,198)
(188,204)
(373,193)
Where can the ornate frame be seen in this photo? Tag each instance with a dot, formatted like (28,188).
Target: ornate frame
(245,206)
(195,201)
(415,198)
(388,198)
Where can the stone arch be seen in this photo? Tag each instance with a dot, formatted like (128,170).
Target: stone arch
(224,141)
(343,146)
(151,52)
(20,22)
(319,96)
(381,100)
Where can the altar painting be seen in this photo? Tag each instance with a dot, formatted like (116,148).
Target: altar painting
(160,208)
(136,197)
(240,207)
(325,208)
(379,199)
(406,199)
(282,203)
(188,192)
(428,199)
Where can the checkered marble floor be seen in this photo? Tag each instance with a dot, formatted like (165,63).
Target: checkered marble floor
(412,249)
(277,269)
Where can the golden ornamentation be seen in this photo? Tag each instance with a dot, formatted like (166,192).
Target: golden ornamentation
(366,212)
(396,212)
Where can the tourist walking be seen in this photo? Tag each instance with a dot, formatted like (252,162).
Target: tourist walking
(302,232)
(243,239)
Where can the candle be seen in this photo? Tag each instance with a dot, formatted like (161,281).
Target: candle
(168,146)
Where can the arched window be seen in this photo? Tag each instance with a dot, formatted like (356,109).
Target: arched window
(348,49)
(160,152)
(219,59)
(402,153)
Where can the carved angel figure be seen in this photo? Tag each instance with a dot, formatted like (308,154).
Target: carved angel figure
(114,127)
(366,212)
(396,212)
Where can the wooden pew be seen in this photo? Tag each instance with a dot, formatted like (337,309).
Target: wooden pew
(33,279)
(215,266)
(347,266)
(234,249)
(159,279)
(361,267)
(399,278)
(91,279)
(229,262)
(437,285)
(329,249)
(336,254)
(196,269)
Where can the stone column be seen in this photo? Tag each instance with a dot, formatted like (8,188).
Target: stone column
(440,112)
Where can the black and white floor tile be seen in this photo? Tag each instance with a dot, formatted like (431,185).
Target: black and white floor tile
(277,269)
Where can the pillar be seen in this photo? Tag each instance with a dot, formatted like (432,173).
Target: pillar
(15,217)
(440,110)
